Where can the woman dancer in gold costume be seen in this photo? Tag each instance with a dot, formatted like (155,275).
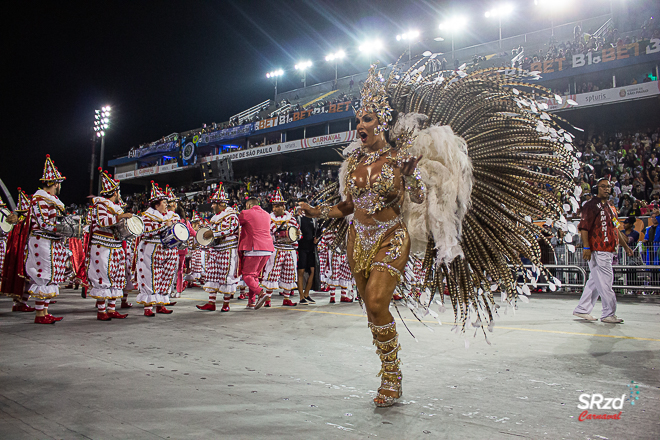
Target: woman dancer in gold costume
(376,179)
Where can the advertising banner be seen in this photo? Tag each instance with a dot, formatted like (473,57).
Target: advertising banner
(225,133)
(126,175)
(154,148)
(146,171)
(329,139)
(643,49)
(608,96)
(303,114)
(168,167)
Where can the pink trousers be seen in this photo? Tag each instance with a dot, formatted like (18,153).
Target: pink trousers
(251,268)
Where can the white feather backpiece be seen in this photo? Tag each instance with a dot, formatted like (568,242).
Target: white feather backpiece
(447,172)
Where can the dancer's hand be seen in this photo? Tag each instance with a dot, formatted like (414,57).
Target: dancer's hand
(586,254)
(408,166)
(308,211)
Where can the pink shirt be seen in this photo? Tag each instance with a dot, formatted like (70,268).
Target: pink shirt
(255,230)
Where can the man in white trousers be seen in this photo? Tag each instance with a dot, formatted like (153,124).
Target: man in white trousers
(600,235)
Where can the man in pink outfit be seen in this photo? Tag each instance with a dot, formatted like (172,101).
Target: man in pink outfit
(254,247)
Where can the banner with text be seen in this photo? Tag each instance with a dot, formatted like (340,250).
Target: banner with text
(608,96)
(303,114)
(224,134)
(643,49)
(155,148)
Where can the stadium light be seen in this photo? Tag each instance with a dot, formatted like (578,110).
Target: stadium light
(340,54)
(499,12)
(453,25)
(409,36)
(275,74)
(303,66)
(101,124)
(371,47)
(552,7)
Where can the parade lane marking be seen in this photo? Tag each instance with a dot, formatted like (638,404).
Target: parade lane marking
(497,326)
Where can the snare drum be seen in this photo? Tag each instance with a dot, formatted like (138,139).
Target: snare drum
(175,237)
(287,235)
(200,236)
(68,227)
(129,227)
(5,226)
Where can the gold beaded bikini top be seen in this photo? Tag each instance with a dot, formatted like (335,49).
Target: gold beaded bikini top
(373,197)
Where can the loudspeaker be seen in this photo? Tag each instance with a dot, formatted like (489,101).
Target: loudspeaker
(223,169)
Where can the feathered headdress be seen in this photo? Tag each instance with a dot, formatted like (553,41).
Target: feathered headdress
(51,173)
(108,184)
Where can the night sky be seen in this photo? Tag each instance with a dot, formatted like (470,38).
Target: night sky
(168,66)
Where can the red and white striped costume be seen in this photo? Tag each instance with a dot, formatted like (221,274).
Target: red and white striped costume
(155,265)
(106,262)
(341,272)
(323,249)
(222,256)
(46,261)
(3,251)
(130,255)
(280,271)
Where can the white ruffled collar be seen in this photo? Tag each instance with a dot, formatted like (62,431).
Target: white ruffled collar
(222,214)
(51,199)
(112,207)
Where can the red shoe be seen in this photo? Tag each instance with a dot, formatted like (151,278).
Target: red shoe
(53,301)
(149,312)
(241,296)
(397,297)
(103,316)
(55,318)
(346,299)
(288,302)
(117,315)
(267,303)
(162,309)
(171,304)
(125,305)
(208,306)
(22,308)
(43,320)
(225,308)
(332,300)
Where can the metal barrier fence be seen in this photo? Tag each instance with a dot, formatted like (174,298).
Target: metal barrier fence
(638,274)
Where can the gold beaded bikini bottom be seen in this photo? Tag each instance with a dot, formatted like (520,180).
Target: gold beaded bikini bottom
(369,240)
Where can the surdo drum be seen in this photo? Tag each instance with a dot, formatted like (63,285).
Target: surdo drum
(129,227)
(175,237)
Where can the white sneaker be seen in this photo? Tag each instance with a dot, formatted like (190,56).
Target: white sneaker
(586,316)
(612,320)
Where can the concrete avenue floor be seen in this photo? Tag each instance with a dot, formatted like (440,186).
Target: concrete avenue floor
(310,372)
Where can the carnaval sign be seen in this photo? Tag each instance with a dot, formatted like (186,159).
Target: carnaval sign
(303,114)
(638,49)
(608,96)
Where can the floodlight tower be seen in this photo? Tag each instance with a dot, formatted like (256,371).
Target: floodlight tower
(303,66)
(101,124)
(499,12)
(453,25)
(335,57)
(409,36)
(274,74)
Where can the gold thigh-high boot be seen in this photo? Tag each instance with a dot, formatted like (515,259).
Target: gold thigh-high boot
(386,340)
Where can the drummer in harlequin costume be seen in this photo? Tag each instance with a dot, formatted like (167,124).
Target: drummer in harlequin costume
(197,254)
(129,247)
(340,273)
(222,253)
(280,271)
(46,260)
(106,257)
(3,237)
(178,215)
(155,264)
(13,274)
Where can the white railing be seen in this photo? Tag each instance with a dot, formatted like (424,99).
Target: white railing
(247,115)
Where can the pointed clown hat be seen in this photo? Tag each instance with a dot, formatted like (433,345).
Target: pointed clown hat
(170,194)
(156,193)
(195,217)
(108,184)
(51,173)
(2,203)
(23,201)
(277,198)
(220,194)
